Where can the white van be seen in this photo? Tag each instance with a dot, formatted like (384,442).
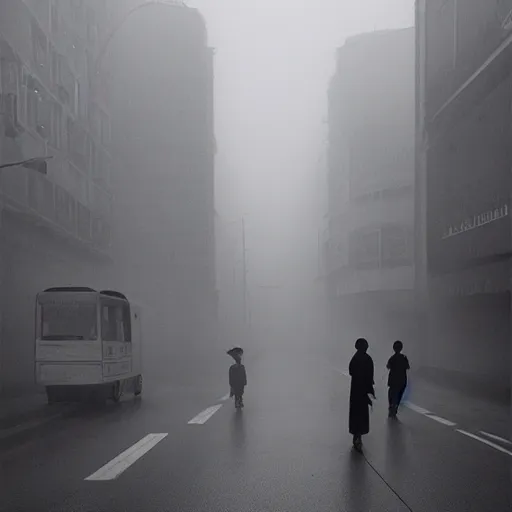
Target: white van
(87,343)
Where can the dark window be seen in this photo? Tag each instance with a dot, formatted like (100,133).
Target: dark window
(68,321)
(397,246)
(39,46)
(364,249)
(115,322)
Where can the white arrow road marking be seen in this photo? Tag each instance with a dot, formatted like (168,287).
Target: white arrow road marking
(204,416)
(122,462)
(482,440)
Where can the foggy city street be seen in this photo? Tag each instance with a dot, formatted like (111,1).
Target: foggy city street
(255,255)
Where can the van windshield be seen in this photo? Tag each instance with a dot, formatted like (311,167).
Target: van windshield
(69,321)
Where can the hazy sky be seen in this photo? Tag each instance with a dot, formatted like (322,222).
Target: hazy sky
(273,63)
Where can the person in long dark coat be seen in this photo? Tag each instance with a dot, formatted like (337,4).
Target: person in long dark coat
(362,385)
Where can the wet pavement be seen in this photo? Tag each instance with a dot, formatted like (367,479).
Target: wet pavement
(185,448)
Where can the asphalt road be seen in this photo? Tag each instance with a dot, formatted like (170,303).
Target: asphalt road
(288,450)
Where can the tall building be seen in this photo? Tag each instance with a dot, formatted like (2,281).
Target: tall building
(464,159)
(55,228)
(230,279)
(369,260)
(164,133)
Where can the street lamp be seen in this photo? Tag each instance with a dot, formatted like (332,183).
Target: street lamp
(37,164)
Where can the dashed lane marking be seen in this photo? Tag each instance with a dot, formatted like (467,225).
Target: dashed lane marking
(495,437)
(205,415)
(225,397)
(485,441)
(443,421)
(448,423)
(122,462)
(417,408)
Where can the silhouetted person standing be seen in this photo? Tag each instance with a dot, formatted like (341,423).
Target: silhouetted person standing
(237,380)
(361,372)
(398,365)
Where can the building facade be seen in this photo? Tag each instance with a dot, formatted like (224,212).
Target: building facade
(464,159)
(369,257)
(55,229)
(162,110)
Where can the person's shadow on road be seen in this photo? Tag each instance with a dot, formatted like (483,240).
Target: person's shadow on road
(358,497)
(238,430)
(396,445)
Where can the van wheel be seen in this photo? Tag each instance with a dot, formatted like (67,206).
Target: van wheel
(117,391)
(138,385)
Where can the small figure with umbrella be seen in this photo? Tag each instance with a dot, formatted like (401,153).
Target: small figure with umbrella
(237,377)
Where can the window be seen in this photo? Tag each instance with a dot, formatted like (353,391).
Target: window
(65,209)
(101,232)
(55,67)
(100,166)
(39,46)
(38,108)
(104,128)
(12,97)
(365,249)
(56,125)
(66,83)
(84,222)
(92,27)
(77,144)
(396,246)
(40,195)
(68,321)
(115,322)
(54,17)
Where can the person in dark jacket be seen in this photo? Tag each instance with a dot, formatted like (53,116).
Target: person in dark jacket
(362,385)
(398,365)
(237,380)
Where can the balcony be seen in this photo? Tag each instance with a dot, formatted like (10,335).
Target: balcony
(33,123)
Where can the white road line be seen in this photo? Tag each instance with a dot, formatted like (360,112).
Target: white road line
(495,437)
(417,408)
(448,423)
(225,397)
(122,462)
(204,416)
(482,440)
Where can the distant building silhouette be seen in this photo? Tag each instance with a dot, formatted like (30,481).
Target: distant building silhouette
(370,260)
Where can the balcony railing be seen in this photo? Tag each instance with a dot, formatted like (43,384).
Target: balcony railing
(46,200)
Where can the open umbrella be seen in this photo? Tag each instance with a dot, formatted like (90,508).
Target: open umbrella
(236,352)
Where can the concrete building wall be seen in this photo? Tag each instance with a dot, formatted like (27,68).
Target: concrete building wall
(466,191)
(55,228)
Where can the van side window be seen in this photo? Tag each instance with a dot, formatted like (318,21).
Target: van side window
(127,324)
(109,324)
(115,323)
